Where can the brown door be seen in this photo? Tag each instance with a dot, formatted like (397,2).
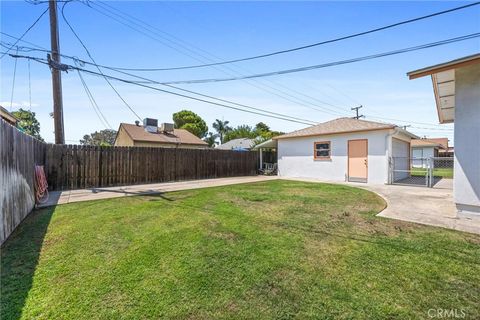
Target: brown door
(358,160)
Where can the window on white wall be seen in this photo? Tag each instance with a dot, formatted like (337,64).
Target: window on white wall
(321,150)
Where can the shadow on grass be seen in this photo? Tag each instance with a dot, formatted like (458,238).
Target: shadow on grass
(19,259)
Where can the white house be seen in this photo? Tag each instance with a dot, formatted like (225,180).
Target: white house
(344,149)
(422,150)
(237,144)
(456,85)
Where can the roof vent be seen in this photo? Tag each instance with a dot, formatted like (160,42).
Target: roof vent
(150,125)
(166,127)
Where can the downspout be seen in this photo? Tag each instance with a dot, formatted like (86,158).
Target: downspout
(389,144)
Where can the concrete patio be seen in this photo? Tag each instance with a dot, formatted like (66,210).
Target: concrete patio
(69,196)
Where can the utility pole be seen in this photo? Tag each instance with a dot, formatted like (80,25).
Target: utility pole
(405,127)
(356,110)
(54,61)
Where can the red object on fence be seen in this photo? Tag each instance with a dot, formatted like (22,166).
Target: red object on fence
(41,185)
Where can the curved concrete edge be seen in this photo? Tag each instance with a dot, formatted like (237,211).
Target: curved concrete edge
(426,206)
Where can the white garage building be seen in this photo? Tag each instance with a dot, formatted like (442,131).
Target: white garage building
(344,149)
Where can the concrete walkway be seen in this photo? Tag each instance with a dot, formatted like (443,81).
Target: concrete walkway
(63,197)
(429,206)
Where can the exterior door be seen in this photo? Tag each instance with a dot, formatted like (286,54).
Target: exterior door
(358,160)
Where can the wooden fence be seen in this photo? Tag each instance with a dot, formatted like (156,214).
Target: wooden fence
(18,155)
(77,167)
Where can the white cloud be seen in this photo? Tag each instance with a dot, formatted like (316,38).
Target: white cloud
(17,104)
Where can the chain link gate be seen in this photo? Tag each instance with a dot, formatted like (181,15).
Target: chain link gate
(425,172)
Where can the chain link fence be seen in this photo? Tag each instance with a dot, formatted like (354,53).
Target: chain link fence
(426,172)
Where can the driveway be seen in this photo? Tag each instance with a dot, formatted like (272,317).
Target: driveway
(429,206)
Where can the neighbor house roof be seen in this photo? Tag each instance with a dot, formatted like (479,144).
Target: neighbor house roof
(178,136)
(340,125)
(423,143)
(443,79)
(240,143)
(443,142)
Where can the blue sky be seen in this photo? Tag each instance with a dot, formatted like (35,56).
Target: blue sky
(229,30)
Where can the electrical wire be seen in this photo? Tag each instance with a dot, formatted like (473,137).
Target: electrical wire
(93,60)
(13,82)
(71,67)
(29,87)
(44,61)
(332,64)
(267,88)
(26,31)
(94,104)
(301,47)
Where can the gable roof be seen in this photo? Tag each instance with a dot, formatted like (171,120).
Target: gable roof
(336,126)
(423,143)
(179,136)
(443,142)
(240,143)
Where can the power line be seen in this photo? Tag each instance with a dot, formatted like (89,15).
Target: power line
(76,60)
(302,47)
(93,60)
(21,40)
(332,64)
(155,31)
(29,87)
(44,61)
(93,103)
(26,31)
(189,97)
(218,99)
(13,82)
(71,67)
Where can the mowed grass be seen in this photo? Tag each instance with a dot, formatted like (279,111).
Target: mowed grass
(277,249)
(437,172)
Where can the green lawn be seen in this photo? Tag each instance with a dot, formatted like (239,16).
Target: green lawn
(277,249)
(437,172)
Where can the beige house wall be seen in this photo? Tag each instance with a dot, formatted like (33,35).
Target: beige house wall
(123,139)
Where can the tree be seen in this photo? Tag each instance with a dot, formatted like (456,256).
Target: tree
(222,128)
(211,139)
(242,131)
(28,122)
(261,128)
(102,138)
(191,122)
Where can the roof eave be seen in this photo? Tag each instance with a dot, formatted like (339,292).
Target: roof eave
(454,64)
(333,133)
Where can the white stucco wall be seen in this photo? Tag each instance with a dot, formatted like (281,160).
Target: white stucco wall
(467,139)
(295,157)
